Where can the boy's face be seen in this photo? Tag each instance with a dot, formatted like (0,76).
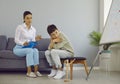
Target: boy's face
(55,34)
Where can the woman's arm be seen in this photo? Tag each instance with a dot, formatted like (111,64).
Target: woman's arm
(17,36)
(34,34)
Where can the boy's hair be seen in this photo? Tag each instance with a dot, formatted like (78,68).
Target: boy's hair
(51,28)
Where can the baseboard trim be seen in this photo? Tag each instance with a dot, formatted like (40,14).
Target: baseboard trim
(82,68)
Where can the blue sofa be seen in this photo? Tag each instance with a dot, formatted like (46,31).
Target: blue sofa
(10,62)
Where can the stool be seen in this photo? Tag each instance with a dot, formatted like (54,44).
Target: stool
(74,60)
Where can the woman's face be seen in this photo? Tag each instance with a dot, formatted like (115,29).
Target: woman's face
(28,19)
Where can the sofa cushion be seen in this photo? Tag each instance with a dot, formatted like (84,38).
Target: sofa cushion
(41,54)
(8,54)
(10,44)
(43,44)
(3,42)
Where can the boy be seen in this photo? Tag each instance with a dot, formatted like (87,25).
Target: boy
(59,47)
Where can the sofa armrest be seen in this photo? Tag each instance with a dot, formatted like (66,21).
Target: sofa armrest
(3,42)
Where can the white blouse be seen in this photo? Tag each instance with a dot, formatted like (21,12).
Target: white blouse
(24,34)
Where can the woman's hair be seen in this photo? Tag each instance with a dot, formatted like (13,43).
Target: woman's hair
(51,28)
(26,13)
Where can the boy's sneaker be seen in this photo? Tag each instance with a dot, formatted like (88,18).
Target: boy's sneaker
(53,73)
(32,75)
(60,74)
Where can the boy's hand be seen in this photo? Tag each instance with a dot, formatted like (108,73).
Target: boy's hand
(53,41)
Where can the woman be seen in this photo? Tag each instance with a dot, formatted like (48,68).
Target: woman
(23,35)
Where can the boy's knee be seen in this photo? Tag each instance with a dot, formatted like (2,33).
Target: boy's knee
(53,51)
(47,52)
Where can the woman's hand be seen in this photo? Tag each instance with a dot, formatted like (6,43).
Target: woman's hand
(25,43)
(38,37)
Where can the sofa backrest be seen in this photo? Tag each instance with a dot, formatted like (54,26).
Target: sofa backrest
(42,44)
(10,43)
(3,42)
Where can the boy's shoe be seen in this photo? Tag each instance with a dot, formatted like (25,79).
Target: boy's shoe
(60,74)
(38,74)
(53,73)
(31,74)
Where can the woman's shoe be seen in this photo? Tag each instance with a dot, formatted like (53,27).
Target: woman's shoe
(38,74)
(31,74)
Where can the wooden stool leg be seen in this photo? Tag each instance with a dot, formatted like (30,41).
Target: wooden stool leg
(86,67)
(67,65)
(71,71)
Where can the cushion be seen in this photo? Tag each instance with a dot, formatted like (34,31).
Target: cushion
(43,44)
(42,54)
(8,54)
(10,44)
(3,42)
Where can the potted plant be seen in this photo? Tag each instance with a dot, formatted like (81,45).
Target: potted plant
(95,38)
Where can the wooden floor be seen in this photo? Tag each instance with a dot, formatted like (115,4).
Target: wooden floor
(96,77)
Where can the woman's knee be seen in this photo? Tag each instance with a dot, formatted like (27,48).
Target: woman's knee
(29,50)
(16,52)
(35,50)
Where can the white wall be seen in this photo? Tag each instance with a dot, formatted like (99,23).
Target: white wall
(76,18)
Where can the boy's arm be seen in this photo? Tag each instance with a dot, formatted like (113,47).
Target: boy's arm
(57,40)
(62,41)
(51,44)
